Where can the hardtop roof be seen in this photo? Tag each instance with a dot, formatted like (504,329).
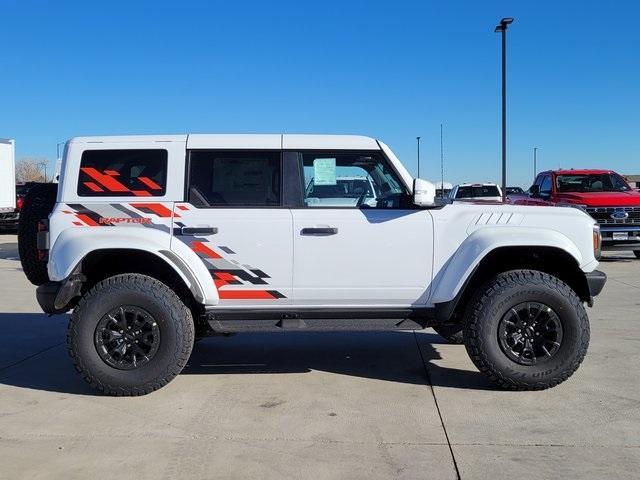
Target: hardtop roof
(244,141)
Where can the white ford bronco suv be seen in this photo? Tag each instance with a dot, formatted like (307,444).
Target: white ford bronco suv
(155,241)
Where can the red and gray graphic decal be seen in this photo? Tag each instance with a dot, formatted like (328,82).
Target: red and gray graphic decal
(117,214)
(107,181)
(230,272)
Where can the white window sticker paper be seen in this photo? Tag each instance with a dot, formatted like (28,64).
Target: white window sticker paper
(324,171)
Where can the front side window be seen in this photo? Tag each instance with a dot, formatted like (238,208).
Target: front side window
(545,185)
(350,180)
(123,173)
(234,179)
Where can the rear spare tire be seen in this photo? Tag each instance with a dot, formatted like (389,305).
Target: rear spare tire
(130,335)
(526,330)
(38,204)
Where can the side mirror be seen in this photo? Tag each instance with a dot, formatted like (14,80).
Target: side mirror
(424,193)
(534,191)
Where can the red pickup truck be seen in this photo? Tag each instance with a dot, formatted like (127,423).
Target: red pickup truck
(603,194)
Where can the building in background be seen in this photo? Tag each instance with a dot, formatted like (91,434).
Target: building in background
(634,180)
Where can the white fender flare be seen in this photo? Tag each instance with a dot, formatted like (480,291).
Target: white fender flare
(449,280)
(74,244)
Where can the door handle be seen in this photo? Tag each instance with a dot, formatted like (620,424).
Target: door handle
(199,230)
(319,231)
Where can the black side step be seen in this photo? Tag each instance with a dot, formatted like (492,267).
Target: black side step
(231,320)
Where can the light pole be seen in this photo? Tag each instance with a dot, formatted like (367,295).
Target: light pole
(418,141)
(502,28)
(535,161)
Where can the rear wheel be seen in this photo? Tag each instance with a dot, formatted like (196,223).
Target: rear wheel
(38,204)
(526,330)
(451,333)
(130,335)
(636,253)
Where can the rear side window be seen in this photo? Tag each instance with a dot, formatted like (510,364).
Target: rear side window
(123,173)
(234,179)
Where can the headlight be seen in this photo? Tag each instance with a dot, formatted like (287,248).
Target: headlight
(597,242)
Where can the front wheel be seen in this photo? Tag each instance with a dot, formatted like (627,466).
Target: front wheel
(526,330)
(130,335)
(636,253)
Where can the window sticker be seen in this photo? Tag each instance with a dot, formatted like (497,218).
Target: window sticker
(324,171)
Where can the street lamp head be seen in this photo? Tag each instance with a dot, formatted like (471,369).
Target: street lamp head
(502,27)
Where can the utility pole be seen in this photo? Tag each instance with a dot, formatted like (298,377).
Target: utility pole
(441,164)
(502,28)
(535,161)
(418,141)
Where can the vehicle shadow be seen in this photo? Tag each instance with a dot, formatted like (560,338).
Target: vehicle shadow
(389,356)
(33,361)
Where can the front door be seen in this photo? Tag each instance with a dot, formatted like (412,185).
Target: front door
(234,220)
(357,240)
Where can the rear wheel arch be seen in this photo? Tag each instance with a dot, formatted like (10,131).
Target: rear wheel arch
(100,264)
(551,260)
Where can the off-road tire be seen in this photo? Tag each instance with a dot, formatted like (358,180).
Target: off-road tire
(168,311)
(38,204)
(495,299)
(451,333)
(636,253)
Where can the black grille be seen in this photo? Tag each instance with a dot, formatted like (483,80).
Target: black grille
(603,215)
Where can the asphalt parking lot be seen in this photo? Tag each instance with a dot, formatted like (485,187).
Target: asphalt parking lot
(319,405)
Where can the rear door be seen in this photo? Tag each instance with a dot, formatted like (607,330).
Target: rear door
(234,220)
(352,250)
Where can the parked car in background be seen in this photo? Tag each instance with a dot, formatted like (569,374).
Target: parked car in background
(516,193)
(345,191)
(9,219)
(603,194)
(469,192)
(443,189)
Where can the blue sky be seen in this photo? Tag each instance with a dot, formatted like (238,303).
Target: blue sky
(393,70)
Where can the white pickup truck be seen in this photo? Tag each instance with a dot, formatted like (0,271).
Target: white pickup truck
(154,241)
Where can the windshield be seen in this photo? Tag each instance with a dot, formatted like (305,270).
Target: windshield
(478,191)
(601,182)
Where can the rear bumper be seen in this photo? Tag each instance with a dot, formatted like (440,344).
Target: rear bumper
(56,297)
(595,282)
(9,218)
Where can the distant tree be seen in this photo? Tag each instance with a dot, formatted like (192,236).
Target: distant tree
(31,170)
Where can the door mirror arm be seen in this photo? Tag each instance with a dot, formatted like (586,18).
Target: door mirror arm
(534,191)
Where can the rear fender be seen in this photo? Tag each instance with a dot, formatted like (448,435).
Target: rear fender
(74,244)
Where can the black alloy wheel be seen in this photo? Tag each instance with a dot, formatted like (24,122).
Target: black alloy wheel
(127,337)
(530,333)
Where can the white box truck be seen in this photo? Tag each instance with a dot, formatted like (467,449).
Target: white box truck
(7,176)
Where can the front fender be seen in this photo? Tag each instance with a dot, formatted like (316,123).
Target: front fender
(74,244)
(451,277)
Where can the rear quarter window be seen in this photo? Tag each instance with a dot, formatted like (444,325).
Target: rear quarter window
(123,173)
